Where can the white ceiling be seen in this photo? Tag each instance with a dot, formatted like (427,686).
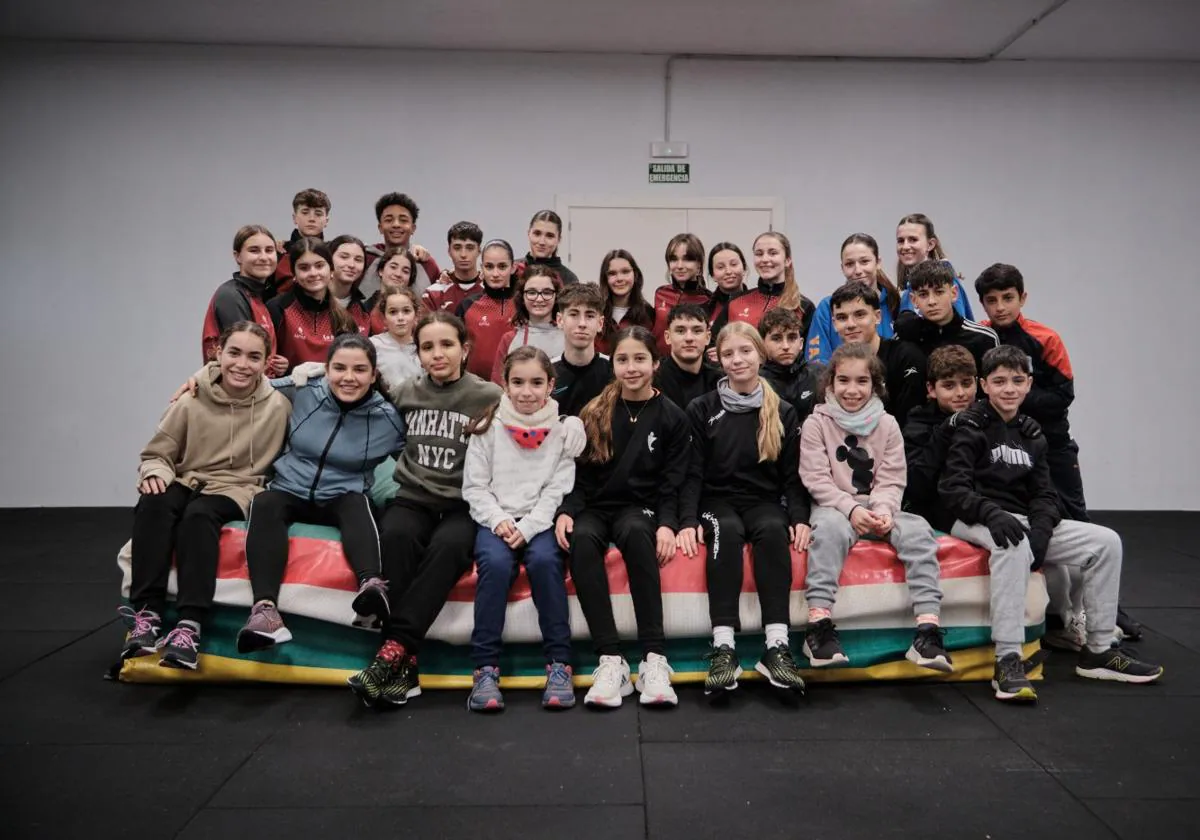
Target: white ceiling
(929,29)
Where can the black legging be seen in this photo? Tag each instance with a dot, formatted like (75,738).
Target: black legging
(425,552)
(273,511)
(727,529)
(633,532)
(186,524)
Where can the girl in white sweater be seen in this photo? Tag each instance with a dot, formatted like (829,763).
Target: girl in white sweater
(516,475)
(395,350)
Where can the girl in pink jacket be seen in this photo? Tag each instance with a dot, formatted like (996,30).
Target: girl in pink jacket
(852,462)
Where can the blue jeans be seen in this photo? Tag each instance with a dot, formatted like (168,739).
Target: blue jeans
(496,565)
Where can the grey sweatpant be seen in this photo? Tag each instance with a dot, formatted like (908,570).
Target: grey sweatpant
(1093,549)
(832,538)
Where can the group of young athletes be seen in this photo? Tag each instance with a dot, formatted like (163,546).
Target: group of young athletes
(536,419)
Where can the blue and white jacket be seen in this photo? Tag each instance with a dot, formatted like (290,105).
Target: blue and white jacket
(333,449)
(823,338)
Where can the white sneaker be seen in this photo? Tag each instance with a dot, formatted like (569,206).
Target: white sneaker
(654,681)
(1073,635)
(610,682)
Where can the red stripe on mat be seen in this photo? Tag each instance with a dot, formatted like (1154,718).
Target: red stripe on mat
(319,563)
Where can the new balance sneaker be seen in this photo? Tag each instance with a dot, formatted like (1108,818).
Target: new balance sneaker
(928,651)
(1009,680)
(723,670)
(560,690)
(1071,635)
(145,632)
(821,644)
(610,682)
(654,681)
(780,669)
(371,603)
(1117,665)
(181,648)
(263,629)
(485,691)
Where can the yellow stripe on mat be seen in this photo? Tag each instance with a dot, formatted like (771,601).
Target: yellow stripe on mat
(970,665)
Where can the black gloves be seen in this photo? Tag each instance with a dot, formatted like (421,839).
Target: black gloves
(1028,426)
(975,416)
(1006,529)
(1039,540)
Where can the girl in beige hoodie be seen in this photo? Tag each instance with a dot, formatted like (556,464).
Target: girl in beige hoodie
(206,461)
(852,462)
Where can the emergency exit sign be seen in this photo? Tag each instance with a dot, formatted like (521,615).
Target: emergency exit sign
(670,173)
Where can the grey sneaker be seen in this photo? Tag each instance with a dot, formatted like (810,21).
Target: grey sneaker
(560,690)
(182,648)
(264,629)
(485,693)
(145,632)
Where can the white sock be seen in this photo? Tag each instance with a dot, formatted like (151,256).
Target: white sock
(777,634)
(723,636)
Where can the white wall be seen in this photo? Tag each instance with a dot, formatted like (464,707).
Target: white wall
(126,171)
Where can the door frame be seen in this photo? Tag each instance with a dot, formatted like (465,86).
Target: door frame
(643,201)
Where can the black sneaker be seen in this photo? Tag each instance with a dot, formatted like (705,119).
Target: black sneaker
(780,669)
(401,684)
(371,603)
(182,648)
(928,651)
(145,632)
(1116,664)
(1009,680)
(723,670)
(368,683)
(821,644)
(1129,626)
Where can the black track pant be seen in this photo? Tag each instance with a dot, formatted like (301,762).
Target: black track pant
(727,529)
(1063,459)
(632,530)
(425,552)
(273,511)
(187,525)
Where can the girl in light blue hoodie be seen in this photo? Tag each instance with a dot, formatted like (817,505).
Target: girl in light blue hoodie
(341,428)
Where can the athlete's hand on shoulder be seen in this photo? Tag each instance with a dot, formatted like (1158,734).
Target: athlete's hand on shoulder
(276,366)
(419,253)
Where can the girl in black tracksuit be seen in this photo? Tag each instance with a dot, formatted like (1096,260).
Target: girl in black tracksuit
(744,486)
(626,492)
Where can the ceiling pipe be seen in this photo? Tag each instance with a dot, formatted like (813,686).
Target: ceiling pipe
(668,75)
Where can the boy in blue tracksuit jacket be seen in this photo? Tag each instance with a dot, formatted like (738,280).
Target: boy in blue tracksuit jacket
(823,338)
(341,429)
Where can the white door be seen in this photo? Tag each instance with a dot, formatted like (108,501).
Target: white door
(644,226)
(642,231)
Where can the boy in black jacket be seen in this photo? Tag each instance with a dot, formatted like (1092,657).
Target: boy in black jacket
(855,308)
(686,374)
(787,369)
(997,485)
(950,383)
(934,292)
(580,373)
(1001,290)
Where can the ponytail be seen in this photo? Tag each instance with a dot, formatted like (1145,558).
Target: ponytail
(770,427)
(893,295)
(597,417)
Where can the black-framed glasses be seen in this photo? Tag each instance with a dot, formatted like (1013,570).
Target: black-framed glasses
(534,294)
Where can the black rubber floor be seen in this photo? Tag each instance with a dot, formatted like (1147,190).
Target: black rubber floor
(81,757)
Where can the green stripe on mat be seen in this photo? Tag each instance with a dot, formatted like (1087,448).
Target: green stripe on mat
(323,645)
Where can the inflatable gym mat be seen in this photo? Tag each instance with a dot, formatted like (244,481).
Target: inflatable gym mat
(873,615)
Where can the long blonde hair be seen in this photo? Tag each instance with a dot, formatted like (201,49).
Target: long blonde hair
(597,415)
(791,297)
(770,426)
